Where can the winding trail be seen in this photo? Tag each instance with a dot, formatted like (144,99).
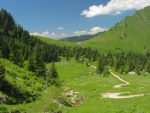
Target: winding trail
(119,95)
(120,85)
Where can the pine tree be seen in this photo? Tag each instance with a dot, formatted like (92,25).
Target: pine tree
(53,71)
(100,67)
(40,65)
(54,78)
(2,72)
(36,62)
(31,65)
(106,71)
(5,50)
(147,66)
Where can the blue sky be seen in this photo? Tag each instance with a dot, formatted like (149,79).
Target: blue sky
(62,18)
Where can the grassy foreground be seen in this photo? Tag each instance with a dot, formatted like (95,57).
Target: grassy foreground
(90,87)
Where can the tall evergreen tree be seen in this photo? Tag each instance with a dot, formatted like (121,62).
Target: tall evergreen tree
(2,72)
(53,71)
(54,78)
(40,65)
(32,65)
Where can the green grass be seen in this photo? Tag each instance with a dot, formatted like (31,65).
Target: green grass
(56,42)
(24,86)
(70,70)
(43,104)
(92,87)
(22,80)
(136,28)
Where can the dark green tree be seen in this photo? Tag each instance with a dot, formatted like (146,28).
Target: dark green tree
(2,72)
(101,65)
(32,65)
(53,78)
(39,63)
(53,71)
(147,66)
(106,71)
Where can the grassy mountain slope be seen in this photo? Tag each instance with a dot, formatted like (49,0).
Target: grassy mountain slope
(19,84)
(56,42)
(132,33)
(78,38)
(23,92)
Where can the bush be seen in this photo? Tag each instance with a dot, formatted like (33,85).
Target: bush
(2,70)
(106,72)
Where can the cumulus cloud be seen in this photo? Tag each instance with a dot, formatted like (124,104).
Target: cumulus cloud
(44,34)
(60,28)
(115,7)
(50,34)
(92,31)
(78,33)
(97,29)
(55,35)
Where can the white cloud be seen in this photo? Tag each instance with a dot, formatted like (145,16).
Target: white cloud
(96,29)
(115,7)
(78,33)
(44,34)
(55,35)
(63,34)
(60,28)
(92,31)
(50,34)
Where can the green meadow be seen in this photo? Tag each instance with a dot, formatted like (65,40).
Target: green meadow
(90,87)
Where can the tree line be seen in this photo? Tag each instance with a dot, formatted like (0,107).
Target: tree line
(17,45)
(124,62)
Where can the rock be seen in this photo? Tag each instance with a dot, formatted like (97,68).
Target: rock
(66,88)
(132,73)
(70,94)
(3,100)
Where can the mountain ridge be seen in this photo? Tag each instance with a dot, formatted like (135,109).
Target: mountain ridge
(77,38)
(132,33)
(80,38)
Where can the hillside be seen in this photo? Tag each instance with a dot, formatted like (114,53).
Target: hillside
(56,42)
(77,38)
(132,33)
(18,84)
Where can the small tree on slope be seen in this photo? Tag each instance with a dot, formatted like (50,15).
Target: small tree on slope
(54,78)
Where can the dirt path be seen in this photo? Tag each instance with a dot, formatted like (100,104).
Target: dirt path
(119,95)
(119,85)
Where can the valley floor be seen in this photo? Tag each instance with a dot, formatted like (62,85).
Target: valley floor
(91,87)
(88,88)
